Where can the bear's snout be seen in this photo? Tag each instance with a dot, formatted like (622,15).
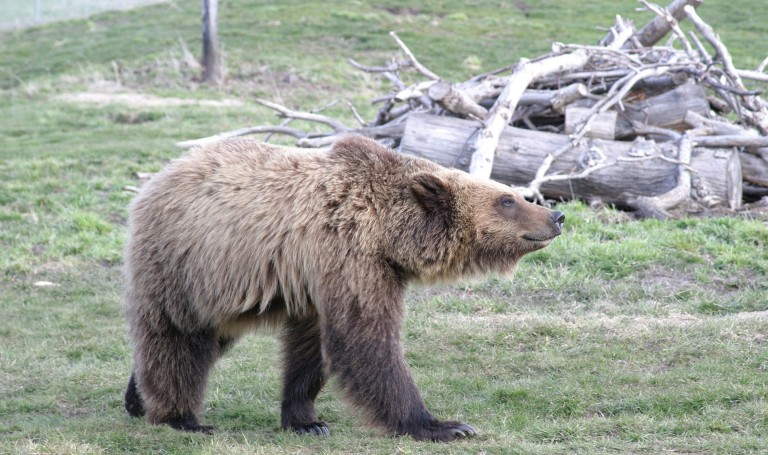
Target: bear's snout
(558,218)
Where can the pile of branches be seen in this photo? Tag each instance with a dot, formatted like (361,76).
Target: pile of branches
(626,122)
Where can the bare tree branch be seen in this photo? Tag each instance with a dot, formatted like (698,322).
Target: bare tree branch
(299,115)
(758,112)
(421,68)
(242,132)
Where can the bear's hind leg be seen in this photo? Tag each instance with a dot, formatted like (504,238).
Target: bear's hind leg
(172,373)
(303,377)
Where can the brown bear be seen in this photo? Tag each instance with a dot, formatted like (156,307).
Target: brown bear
(319,244)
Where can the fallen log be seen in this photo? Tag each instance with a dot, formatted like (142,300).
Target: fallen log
(602,126)
(525,73)
(594,169)
(657,206)
(668,109)
(674,109)
(486,141)
(755,169)
(491,87)
(659,100)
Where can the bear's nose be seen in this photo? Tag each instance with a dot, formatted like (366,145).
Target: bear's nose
(559,218)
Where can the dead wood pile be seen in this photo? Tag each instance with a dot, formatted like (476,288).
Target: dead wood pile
(627,122)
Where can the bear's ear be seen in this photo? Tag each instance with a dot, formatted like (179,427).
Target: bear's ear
(431,191)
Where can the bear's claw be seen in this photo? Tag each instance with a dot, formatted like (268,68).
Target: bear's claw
(313,428)
(463,431)
(439,431)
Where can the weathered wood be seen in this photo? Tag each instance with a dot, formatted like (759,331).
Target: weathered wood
(654,95)
(568,95)
(454,100)
(708,126)
(498,118)
(213,72)
(386,133)
(717,176)
(732,141)
(657,28)
(754,75)
(665,110)
(525,73)
(241,132)
(662,83)
(491,87)
(283,111)
(657,206)
(668,109)
(603,126)
(674,109)
(756,113)
(762,152)
(415,62)
(644,167)
(754,169)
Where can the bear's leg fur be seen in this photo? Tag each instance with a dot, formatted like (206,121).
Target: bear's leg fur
(171,374)
(302,377)
(133,402)
(361,343)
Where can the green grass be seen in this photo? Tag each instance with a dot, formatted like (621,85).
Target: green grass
(18,13)
(621,337)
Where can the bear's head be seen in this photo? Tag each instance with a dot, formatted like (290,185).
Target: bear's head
(472,226)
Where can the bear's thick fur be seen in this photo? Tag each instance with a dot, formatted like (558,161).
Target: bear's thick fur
(320,244)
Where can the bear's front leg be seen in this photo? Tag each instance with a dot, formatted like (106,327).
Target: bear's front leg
(362,347)
(302,376)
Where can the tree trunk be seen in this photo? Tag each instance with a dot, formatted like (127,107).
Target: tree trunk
(632,169)
(212,70)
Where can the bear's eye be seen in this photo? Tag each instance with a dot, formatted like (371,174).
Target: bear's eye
(507,202)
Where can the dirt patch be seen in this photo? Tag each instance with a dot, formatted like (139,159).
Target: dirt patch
(401,10)
(141,100)
(760,315)
(672,280)
(639,323)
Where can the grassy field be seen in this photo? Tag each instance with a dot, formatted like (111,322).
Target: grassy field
(621,337)
(19,13)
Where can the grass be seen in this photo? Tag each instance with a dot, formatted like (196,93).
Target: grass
(621,337)
(24,13)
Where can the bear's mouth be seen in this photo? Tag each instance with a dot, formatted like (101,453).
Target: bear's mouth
(538,238)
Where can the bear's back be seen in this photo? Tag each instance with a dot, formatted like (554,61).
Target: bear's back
(237,223)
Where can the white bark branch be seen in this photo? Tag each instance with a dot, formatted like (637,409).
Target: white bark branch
(299,115)
(242,132)
(500,114)
(757,113)
(421,68)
